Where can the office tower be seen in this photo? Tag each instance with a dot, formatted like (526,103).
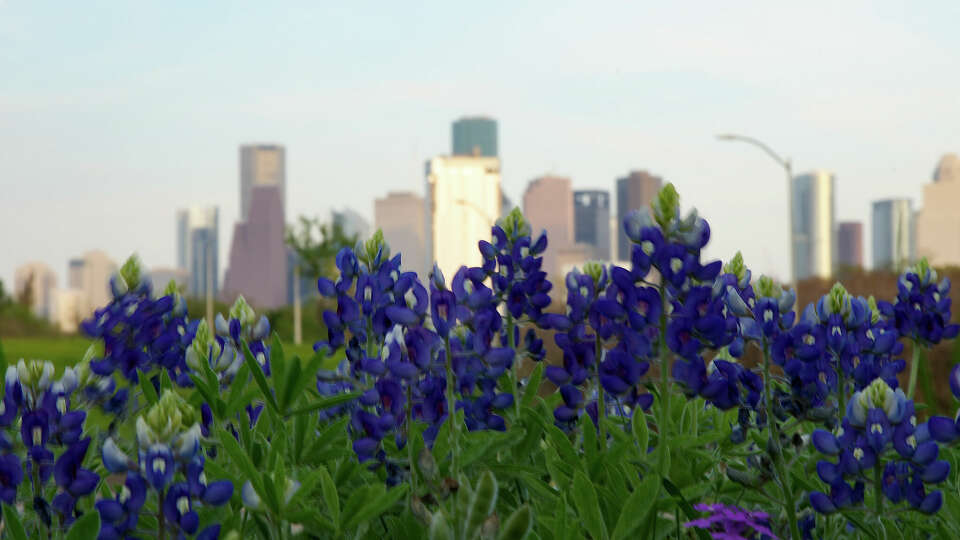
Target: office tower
(161,276)
(634,191)
(892,234)
(75,273)
(352,223)
(402,218)
(463,203)
(68,309)
(548,206)
(98,268)
(938,222)
(591,221)
(198,248)
(258,253)
(814,226)
(261,165)
(35,282)
(475,136)
(850,244)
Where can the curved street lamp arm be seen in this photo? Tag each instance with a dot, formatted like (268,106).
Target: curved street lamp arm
(785,163)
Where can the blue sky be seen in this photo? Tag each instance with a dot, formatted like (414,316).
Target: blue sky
(114,114)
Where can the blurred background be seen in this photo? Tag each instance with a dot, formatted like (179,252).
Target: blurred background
(236,147)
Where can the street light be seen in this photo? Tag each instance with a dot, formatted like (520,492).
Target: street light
(785,163)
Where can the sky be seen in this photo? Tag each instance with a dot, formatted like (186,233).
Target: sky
(115,114)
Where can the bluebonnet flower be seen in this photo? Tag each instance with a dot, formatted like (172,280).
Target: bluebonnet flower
(170,463)
(119,516)
(878,419)
(139,332)
(921,310)
(46,420)
(729,522)
(242,327)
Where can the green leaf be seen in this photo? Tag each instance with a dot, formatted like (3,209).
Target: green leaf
(165,382)
(239,457)
(330,496)
(87,526)
(324,403)
(518,525)
(688,510)
(585,500)
(482,503)
(374,508)
(269,494)
(589,440)
(147,388)
(12,523)
(533,385)
(278,362)
(439,529)
(260,379)
(635,509)
(641,432)
(292,381)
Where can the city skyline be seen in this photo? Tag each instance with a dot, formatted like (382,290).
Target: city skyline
(143,123)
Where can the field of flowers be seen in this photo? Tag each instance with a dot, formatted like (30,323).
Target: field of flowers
(443,421)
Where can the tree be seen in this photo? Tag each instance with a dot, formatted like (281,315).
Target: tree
(316,244)
(25,297)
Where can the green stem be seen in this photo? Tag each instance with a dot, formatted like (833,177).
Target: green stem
(774,433)
(413,466)
(914,369)
(451,412)
(515,368)
(664,415)
(602,406)
(841,388)
(877,488)
(161,519)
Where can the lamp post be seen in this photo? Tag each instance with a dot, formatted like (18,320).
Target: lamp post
(788,170)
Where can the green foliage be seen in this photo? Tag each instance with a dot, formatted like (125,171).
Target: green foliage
(317,244)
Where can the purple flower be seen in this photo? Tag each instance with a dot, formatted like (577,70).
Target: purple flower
(732,522)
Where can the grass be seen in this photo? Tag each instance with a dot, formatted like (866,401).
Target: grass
(68,350)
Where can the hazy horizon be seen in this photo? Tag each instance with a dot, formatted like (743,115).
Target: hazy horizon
(115,115)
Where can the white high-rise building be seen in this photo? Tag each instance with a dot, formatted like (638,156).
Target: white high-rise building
(814,225)
(463,203)
(41,281)
(892,234)
(401,217)
(98,268)
(198,251)
(938,222)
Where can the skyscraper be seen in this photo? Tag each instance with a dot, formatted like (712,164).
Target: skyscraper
(475,136)
(814,226)
(36,282)
(261,165)
(402,218)
(892,234)
(591,221)
(258,253)
(198,248)
(463,202)
(938,222)
(634,191)
(850,244)
(548,206)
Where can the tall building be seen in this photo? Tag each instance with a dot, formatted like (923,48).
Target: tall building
(261,165)
(198,248)
(36,282)
(814,225)
(258,253)
(98,268)
(75,273)
(161,276)
(463,203)
(591,221)
(475,136)
(938,222)
(68,309)
(402,218)
(892,234)
(634,191)
(850,244)
(352,223)
(548,206)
